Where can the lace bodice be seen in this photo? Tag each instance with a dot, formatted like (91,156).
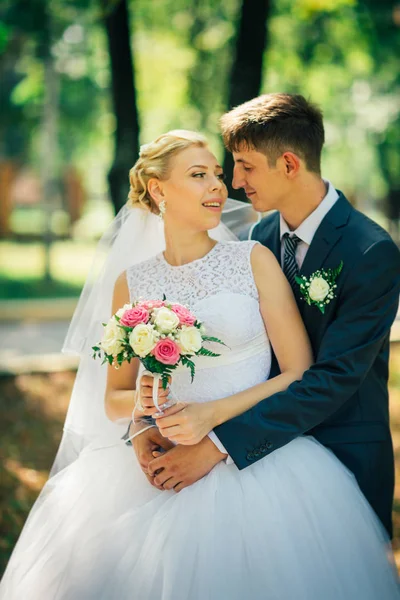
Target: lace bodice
(220,289)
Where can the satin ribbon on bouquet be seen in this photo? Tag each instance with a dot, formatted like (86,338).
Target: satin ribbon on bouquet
(139,406)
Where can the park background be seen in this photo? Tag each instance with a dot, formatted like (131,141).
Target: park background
(83,84)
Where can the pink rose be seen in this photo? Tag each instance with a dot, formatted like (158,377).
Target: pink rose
(167,351)
(134,316)
(185,316)
(150,304)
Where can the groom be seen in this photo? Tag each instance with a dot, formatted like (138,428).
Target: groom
(342,400)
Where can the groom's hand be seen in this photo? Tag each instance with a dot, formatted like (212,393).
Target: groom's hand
(184,465)
(145,444)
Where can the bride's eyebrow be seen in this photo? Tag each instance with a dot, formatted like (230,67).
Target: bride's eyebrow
(217,167)
(198,166)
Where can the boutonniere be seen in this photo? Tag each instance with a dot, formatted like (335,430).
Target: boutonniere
(319,288)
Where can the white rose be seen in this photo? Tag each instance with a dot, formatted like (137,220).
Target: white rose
(319,289)
(189,340)
(112,338)
(121,311)
(166,320)
(142,339)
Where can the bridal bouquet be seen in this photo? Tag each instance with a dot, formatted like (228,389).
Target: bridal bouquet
(160,334)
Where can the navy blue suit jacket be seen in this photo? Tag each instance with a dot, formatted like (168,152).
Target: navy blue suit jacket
(342,399)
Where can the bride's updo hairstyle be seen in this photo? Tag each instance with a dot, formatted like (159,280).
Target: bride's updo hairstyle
(154,162)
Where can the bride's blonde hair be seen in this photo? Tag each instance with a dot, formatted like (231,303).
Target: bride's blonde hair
(154,161)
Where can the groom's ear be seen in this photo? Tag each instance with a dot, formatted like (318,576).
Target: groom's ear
(291,164)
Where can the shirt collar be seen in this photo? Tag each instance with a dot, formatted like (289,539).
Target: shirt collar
(309,226)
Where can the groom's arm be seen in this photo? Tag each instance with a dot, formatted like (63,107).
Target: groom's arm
(366,310)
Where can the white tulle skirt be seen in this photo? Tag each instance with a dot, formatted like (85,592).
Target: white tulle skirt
(292,526)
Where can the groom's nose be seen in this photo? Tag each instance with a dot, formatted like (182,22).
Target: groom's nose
(237,181)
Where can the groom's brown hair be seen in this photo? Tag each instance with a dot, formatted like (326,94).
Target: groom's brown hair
(274,124)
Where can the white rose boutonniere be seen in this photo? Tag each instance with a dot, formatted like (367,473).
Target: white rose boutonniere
(319,288)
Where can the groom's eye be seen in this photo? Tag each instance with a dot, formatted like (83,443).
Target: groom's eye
(247,169)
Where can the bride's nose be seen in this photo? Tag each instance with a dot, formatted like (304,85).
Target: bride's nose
(216,183)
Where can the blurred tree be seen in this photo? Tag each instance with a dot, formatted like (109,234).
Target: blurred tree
(49,132)
(116,21)
(381,24)
(247,68)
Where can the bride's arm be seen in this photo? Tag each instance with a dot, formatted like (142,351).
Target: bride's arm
(289,341)
(120,395)
(121,383)
(286,332)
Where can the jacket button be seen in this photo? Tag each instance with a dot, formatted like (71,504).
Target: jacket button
(269,445)
(257,453)
(263,449)
(250,456)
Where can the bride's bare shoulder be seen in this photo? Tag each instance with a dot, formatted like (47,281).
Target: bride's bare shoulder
(263,257)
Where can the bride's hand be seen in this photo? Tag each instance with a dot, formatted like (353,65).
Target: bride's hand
(186,423)
(146,405)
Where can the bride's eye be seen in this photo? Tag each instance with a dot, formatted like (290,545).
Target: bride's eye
(199,174)
(222,176)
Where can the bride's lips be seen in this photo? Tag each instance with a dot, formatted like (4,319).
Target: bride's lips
(214,204)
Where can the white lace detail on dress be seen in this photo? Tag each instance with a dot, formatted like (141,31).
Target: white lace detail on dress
(226,268)
(221,291)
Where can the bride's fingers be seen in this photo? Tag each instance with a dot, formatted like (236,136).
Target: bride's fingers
(147,380)
(178,418)
(147,392)
(170,432)
(152,410)
(175,408)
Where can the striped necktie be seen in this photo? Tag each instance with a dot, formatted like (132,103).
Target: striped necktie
(290,267)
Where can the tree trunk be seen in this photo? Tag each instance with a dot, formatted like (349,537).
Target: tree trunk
(49,135)
(116,22)
(246,74)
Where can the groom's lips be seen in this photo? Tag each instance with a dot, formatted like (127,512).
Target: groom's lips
(249,194)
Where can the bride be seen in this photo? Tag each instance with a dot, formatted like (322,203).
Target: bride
(293,525)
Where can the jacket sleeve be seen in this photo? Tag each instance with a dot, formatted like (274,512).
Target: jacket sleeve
(367,307)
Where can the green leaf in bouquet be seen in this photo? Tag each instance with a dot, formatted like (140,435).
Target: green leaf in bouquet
(190,364)
(205,352)
(209,338)
(165,375)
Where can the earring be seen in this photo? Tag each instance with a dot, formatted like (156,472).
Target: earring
(162,208)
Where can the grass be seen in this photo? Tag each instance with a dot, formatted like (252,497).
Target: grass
(21,289)
(32,412)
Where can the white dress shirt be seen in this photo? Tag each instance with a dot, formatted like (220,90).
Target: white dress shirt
(305,232)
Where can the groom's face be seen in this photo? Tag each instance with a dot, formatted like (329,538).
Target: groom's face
(265,186)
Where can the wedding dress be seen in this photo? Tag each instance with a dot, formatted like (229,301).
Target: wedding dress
(292,525)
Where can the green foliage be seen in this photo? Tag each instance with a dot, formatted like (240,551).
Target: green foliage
(190,364)
(341,53)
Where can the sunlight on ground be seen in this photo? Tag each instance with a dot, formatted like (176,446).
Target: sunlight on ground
(70,261)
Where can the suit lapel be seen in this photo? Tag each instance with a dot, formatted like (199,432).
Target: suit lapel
(276,241)
(327,236)
(268,233)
